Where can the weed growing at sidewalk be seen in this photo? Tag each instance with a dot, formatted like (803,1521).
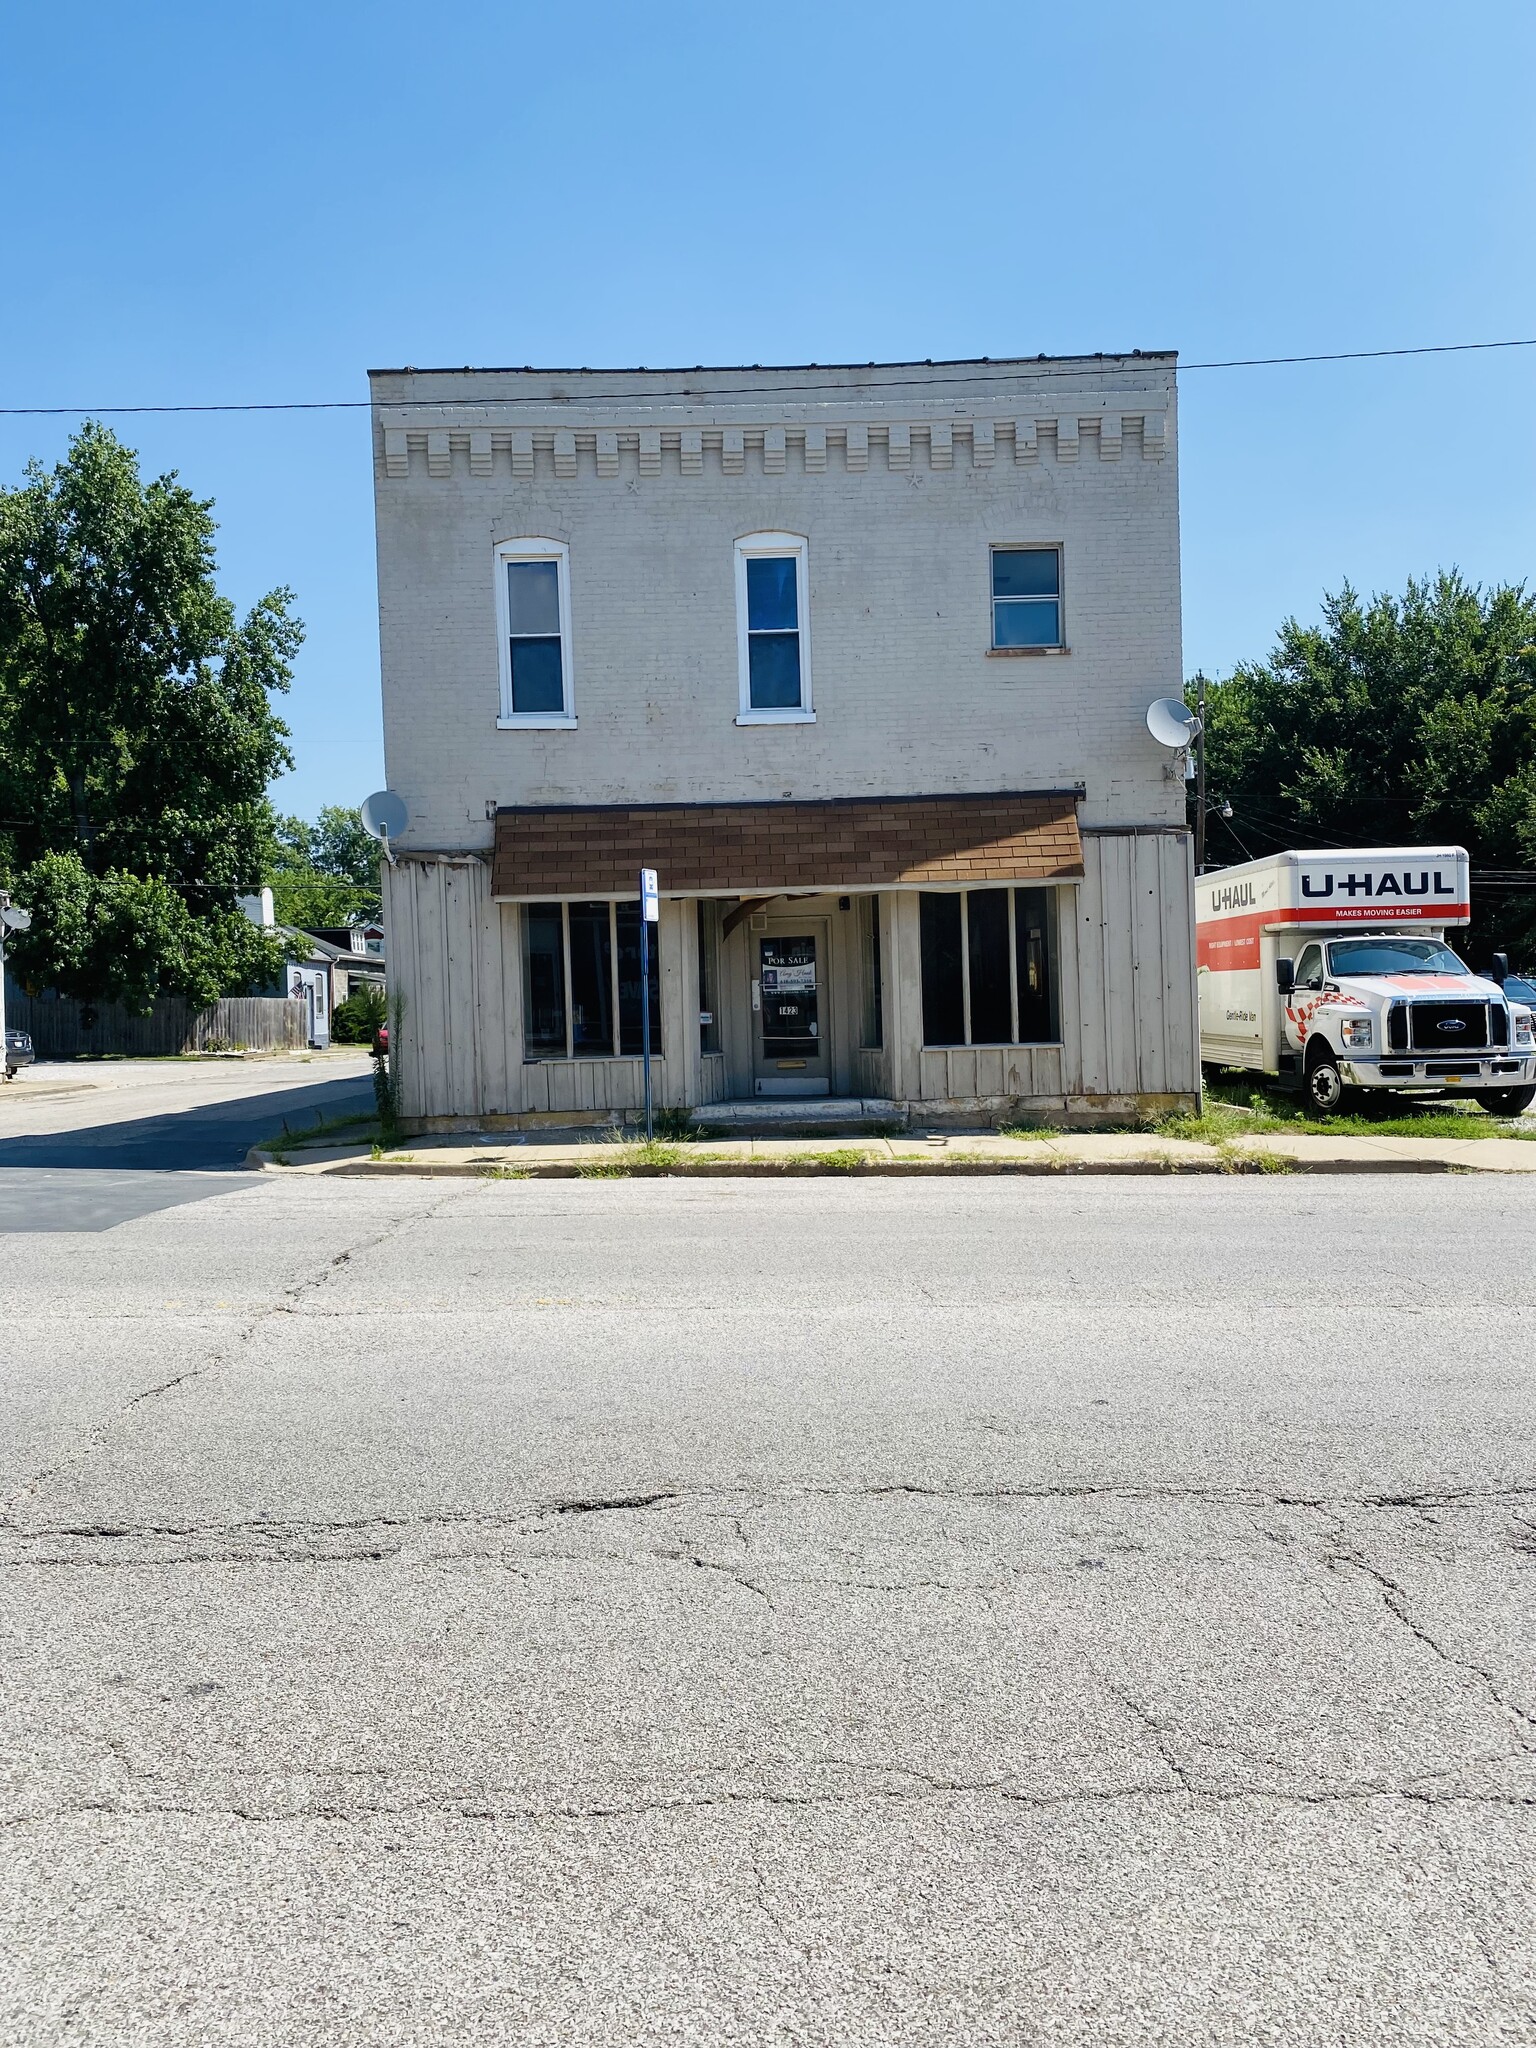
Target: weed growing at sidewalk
(1237,1109)
(1028,1131)
(843,1159)
(631,1155)
(289,1141)
(1232,1158)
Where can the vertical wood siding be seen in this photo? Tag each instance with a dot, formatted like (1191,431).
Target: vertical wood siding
(1126,987)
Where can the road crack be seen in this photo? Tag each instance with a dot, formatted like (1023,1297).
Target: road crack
(96,1435)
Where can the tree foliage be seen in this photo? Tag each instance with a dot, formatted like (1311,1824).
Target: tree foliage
(137,734)
(1400,720)
(326,873)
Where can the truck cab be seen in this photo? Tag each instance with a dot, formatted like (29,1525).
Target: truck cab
(1392,1009)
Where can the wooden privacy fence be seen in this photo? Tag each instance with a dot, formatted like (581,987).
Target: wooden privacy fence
(62,1029)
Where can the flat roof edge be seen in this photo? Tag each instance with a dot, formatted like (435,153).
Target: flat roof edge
(1134,355)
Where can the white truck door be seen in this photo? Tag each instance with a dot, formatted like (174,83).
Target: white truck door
(1297,1008)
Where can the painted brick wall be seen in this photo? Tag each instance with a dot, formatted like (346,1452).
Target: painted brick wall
(899,490)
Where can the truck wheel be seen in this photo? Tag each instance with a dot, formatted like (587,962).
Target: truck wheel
(1325,1084)
(1506,1101)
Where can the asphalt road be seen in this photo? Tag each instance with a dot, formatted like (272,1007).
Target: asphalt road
(839,1613)
(86,1145)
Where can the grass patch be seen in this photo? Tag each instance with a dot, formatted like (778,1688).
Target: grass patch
(492,1169)
(288,1141)
(1028,1131)
(626,1156)
(1252,1159)
(1236,1108)
(843,1159)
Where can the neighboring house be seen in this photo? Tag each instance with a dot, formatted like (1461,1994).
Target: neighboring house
(359,957)
(326,967)
(859,660)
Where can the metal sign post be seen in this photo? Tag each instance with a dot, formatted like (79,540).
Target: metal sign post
(650,913)
(12,919)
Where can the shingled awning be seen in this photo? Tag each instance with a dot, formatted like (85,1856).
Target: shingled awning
(837,845)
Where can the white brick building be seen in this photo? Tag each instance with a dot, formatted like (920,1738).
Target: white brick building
(859,659)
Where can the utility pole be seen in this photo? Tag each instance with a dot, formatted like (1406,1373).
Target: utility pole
(1200,776)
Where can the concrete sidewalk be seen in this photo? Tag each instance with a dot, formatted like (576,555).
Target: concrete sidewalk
(565,1156)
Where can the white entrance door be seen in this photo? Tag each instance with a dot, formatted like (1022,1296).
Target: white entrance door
(790,1022)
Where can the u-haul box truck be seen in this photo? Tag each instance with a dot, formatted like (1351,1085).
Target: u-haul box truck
(1332,971)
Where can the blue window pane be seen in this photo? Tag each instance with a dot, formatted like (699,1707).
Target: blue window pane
(771,604)
(774,669)
(536,681)
(533,597)
(1026,622)
(1025,572)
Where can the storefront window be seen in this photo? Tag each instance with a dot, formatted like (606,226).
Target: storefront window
(709,976)
(630,1038)
(872,1033)
(943,973)
(591,978)
(543,981)
(581,981)
(989,967)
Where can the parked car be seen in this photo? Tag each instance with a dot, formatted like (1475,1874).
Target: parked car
(18,1052)
(1520,990)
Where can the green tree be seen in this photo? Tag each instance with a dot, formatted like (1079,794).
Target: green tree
(326,873)
(1403,719)
(137,734)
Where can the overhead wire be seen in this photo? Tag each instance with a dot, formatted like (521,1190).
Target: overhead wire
(1078,367)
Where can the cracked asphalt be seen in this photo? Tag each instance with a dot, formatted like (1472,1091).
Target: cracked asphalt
(726,1612)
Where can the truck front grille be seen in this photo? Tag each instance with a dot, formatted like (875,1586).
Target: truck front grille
(1397,1027)
(1449,1027)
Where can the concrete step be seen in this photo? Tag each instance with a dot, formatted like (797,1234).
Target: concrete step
(788,1116)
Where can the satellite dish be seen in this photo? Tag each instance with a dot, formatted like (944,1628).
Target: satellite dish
(1172,724)
(15,919)
(384,815)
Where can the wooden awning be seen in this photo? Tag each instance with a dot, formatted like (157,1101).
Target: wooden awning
(844,844)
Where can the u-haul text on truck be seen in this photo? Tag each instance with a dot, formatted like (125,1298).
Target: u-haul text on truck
(1333,970)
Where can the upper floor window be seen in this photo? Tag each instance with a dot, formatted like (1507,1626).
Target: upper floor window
(1026,598)
(773,629)
(533,604)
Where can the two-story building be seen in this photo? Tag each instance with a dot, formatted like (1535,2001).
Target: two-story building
(858,659)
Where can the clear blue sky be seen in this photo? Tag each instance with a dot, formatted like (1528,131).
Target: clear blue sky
(208,203)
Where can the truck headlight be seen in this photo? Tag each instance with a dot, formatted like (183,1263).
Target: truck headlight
(1525,1028)
(1357,1032)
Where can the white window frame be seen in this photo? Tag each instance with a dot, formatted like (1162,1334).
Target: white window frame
(1028,547)
(774,544)
(534,548)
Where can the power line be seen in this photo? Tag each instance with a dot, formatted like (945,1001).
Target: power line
(1111,366)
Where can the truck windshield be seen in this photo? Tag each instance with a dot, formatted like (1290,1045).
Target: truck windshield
(1392,956)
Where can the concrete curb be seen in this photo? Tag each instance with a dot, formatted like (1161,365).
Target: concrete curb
(1054,1168)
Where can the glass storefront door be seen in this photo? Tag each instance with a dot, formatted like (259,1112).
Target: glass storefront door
(789,1013)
